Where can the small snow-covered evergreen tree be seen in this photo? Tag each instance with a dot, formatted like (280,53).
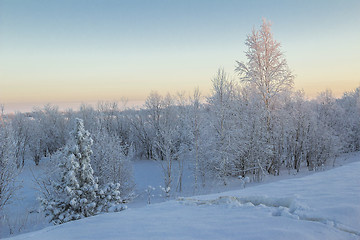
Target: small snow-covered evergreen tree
(76,194)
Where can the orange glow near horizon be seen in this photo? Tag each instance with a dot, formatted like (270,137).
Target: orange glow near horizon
(75,51)
(23,100)
(313,88)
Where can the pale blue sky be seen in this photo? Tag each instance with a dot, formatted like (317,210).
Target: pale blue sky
(85,50)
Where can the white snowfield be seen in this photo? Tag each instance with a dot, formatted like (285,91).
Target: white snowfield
(325,205)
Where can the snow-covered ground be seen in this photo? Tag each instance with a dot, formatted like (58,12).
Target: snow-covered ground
(324,205)
(22,214)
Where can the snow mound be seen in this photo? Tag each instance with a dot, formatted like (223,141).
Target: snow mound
(278,205)
(287,207)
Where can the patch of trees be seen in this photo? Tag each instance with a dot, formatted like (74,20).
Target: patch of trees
(76,193)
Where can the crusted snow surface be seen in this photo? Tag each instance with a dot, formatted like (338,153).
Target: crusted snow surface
(324,205)
(286,207)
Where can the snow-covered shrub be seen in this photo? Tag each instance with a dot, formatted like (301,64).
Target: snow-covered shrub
(244,181)
(165,190)
(149,193)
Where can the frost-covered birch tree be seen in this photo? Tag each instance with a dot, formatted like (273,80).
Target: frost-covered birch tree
(266,67)
(166,143)
(198,139)
(8,169)
(220,104)
(349,126)
(112,162)
(267,72)
(21,129)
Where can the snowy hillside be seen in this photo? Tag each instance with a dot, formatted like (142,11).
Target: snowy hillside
(319,206)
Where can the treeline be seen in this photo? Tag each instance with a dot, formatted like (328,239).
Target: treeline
(230,133)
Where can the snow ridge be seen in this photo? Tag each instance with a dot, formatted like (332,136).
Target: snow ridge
(286,207)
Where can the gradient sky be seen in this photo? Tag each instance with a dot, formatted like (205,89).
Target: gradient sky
(66,52)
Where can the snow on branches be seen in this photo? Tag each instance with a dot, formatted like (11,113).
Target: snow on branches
(77,195)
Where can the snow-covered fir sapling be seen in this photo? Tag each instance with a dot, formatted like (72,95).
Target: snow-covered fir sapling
(110,199)
(77,195)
